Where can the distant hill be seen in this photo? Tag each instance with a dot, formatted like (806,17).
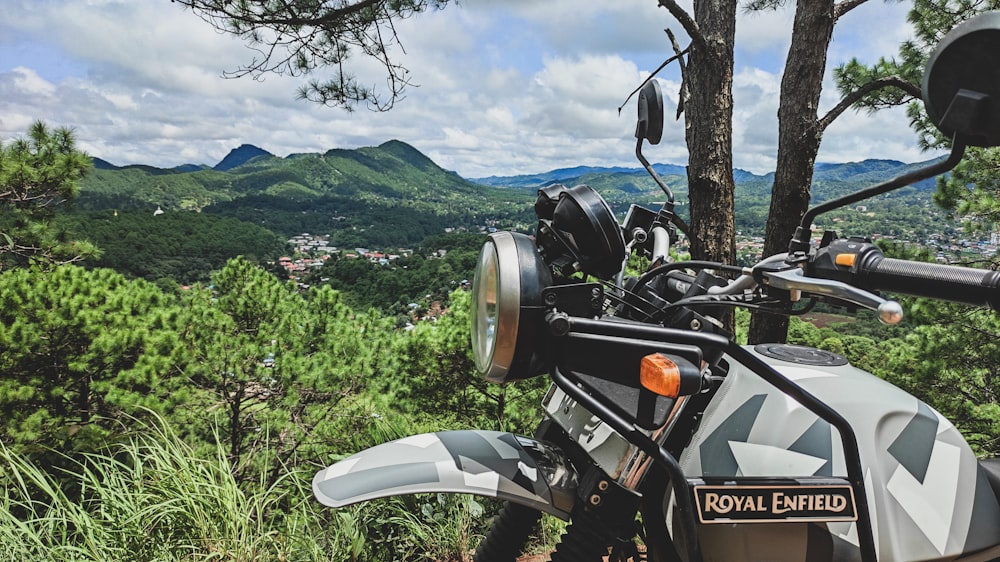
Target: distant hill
(103,164)
(240,156)
(568,175)
(189,168)
(622,184)
(393,194)
(389,194)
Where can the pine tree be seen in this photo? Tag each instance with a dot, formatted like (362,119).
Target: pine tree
(82,351)
(38,174)
(299,37)
(971,190)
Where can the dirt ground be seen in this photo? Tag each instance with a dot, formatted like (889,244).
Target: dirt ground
(545,557)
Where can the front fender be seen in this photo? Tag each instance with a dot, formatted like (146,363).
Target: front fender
(485,463)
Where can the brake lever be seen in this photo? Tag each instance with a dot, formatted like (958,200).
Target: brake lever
(794,279)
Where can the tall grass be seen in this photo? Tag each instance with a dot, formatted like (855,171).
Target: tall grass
(151,498)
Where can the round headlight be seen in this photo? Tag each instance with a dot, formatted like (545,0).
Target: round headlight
(507,311)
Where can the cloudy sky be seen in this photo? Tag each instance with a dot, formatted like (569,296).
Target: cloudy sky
(505,87)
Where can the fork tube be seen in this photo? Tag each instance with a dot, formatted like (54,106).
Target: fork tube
(636,436)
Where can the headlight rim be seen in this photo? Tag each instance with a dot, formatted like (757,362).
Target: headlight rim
(500,354)
(521,275)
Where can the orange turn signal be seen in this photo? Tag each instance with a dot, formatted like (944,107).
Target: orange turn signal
(846,260)
(660,375)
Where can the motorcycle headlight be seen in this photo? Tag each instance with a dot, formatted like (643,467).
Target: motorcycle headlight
(507,308)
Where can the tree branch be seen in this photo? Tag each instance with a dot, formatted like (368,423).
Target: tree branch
(851,98)
(319,17)
(841,8)
(684,94)
(686,21)
(300,37)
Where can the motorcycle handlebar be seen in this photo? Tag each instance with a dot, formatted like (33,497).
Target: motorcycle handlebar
(948,282)
(863,265)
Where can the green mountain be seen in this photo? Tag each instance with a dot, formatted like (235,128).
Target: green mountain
(241,155)
(631,182)
(391,194)
(911,207)
(388,196)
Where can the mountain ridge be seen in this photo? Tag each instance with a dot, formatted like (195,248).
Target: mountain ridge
(386,194)
(379,182)
(822,171)
(246,154)
(240,156)
(394,196)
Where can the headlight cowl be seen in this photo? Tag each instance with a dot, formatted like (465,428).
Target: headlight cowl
(507,309)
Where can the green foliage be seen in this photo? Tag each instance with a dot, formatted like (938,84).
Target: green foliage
(134,188)
(262,384)
(425,528)
(181,246)
(950,360)
(971,190)
(38,174)
(152,497)
(275,366)
(80,349)
(853,76)
(441,377)
(423,279)
(385,196)
(338,31)
(945,355)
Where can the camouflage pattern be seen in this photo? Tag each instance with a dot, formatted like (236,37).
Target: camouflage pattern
(486,463)
(928,498)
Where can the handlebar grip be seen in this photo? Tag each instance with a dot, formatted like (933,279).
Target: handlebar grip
(979,287)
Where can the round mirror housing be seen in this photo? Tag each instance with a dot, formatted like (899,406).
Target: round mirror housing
(650,107)
(961,83)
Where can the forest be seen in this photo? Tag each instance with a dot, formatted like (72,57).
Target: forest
(133,415)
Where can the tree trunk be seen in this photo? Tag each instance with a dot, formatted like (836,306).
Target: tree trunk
(799,136)
(709,133)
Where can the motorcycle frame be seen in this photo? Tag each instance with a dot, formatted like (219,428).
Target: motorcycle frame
(570,326)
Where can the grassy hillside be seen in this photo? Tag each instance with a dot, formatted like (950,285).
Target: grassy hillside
(386,195)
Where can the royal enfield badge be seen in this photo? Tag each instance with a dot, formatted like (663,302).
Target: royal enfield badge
(763,503)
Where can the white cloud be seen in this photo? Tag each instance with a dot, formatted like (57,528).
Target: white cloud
(755,123)
(765,33)
(27,82)
(514,87)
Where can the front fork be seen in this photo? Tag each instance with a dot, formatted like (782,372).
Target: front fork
(615,481)
(612,482)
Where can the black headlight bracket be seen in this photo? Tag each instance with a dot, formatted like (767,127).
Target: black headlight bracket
(578,232)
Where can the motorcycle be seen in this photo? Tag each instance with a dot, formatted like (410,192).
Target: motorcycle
(658,425)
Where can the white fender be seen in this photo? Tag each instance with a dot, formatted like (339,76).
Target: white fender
(485,463)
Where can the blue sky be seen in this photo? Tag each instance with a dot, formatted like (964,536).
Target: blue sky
(509,87)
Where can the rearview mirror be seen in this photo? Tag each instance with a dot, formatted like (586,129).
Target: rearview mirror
(650,124)
(961,84)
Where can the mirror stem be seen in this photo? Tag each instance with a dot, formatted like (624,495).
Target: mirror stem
(652,172)
(800,241)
